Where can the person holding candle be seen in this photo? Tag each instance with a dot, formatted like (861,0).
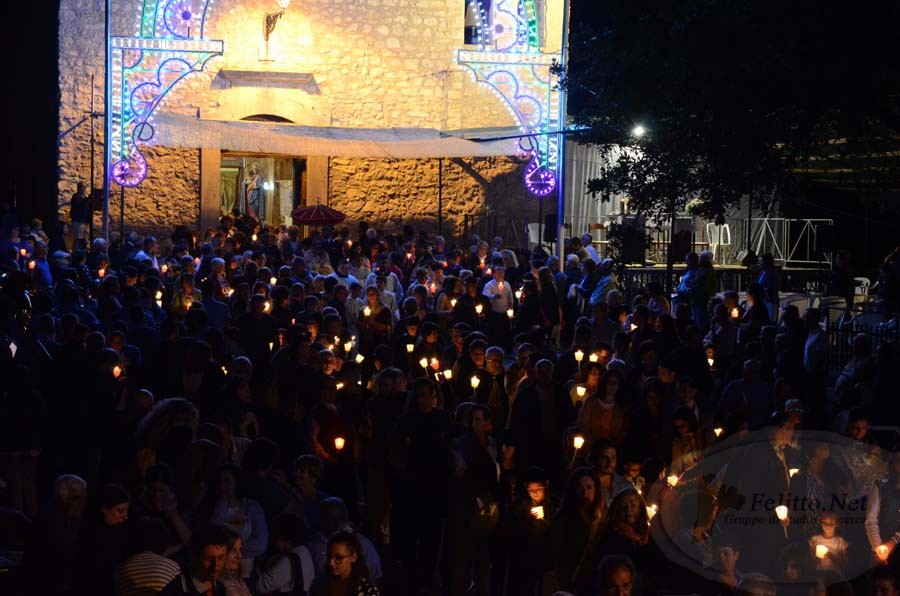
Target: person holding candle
(883,513)
(530,520)
(627,528)
(835,546)
(374,327)
(588,379)
(602,416)
(500,294)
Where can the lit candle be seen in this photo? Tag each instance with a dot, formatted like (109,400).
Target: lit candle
(579,356)
(577,442)
(651,510)
(782,512)
(479,308)
(453,303)
(500,286)
(821,551)
(348,346)
(339,443)
(164,269)
(718,431)
(224,370)
(101,272)
(31,265)
(229,292)
(267,306)
(633,326)
(273,280)
(518,294)
(423,362)
(488,271)
(293,321)
(435,363)
(475,382)
(432,288)
(254,237)
(408,256)
(793,471)
(410,348)
(159,303)
(735,313)
(360,358)
(117,371)
(367,311)
(882,552)
(196,261)
(444,264)
(159,294)
(23,252)
(710,361)
(338,386)
(482,263)
(448,374)
(594,358)
(672,480)
(509,313)
(538,512)
(580,391)
(271,346)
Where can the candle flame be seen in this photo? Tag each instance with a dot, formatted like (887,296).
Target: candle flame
(577,442)
(339,443)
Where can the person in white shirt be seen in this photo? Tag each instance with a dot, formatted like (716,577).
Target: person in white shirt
(342,275)
(588,242)
(499,292)
(291,562)
(149,252)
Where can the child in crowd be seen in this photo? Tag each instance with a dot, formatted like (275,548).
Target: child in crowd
(835,558)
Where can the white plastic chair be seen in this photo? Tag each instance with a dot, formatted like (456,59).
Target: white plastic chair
(717,236)
(861,287)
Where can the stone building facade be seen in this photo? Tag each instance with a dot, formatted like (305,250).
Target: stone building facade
(370,64)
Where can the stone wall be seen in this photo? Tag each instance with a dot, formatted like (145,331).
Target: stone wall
(389,193)
(375,63)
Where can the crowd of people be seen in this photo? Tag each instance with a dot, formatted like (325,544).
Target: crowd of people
(251,411)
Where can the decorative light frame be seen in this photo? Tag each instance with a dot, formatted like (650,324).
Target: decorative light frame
(518,73)
(170,44)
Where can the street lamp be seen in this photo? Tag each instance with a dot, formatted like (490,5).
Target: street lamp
(638,131)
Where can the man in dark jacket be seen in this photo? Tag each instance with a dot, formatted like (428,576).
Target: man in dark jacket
(209,545)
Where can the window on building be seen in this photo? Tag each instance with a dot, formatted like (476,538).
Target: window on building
(478,15)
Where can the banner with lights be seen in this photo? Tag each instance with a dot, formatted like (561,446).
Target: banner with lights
(511,64)
(169,46)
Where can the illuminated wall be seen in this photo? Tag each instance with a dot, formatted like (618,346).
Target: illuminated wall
(373,63)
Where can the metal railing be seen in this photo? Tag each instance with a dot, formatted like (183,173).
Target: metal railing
(843,324)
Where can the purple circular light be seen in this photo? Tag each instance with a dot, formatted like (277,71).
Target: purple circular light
(186,15)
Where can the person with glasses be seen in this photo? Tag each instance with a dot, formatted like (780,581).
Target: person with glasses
(346,571)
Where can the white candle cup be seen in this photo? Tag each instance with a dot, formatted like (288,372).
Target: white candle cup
(367,311)
(423,362)
(509,313)
(821,551)
(538,512)
(435,363)
(672,480)
(594,358)
(339,443)
(579,356)
(793,471)
(580,391)
(882,552)
(348,347)
(117,371)
(453,303)
(410,348)
(577,442)
(271,346)
(273,281)
(475,382)
(479,308)
(338,386)
(718,431)
(735,313)
(782,512)
(651,510)
(518,294)
(360,358)
(448,374)
(710,361)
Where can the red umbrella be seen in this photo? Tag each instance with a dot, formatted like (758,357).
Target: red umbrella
(317,215)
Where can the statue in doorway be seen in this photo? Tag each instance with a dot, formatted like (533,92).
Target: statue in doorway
(253,193)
